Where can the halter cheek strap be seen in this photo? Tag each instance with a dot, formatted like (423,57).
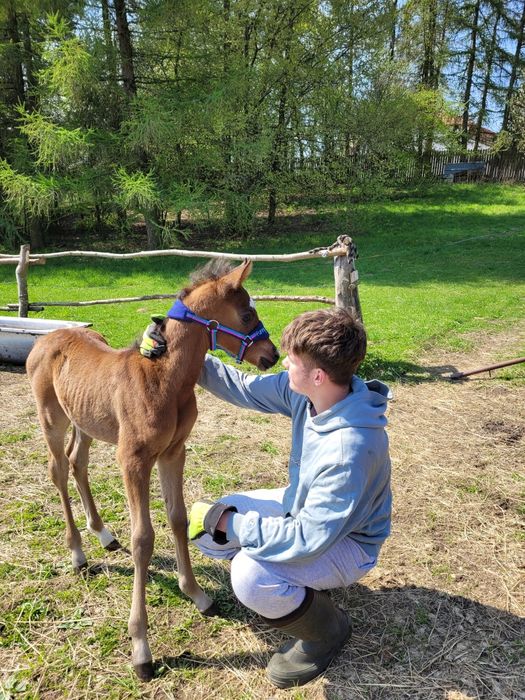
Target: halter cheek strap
(180,312)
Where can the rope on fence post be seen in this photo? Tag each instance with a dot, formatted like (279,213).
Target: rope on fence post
(21,281)
(346,277)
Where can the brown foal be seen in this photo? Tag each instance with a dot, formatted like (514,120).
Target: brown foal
(147,408)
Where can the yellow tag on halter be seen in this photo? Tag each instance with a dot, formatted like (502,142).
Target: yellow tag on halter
(153,343)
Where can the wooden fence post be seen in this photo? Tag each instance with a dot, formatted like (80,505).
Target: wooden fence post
(21,280)
(346,277)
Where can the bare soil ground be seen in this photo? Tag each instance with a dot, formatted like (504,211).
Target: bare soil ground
(441,617)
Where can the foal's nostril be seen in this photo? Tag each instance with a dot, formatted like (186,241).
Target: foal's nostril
(265,362)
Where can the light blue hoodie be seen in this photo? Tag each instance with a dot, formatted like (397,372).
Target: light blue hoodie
(339,467)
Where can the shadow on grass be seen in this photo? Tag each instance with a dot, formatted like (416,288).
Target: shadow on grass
(407,641)
(418,642)
(12,369)
(188,660)
(408,372)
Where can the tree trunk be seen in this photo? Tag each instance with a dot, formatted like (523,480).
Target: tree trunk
(486,82)
(151,217)
(36,233)
(23,92)
(428,68)
(442,40)
(517,62)
(299,138)
(31,97)
(230,218)
(350,44)
(470,74)
(108,41)
(393,31)
(125,49)
(17,93)
(276,163)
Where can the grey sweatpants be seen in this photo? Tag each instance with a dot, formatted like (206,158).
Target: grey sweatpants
(276,589)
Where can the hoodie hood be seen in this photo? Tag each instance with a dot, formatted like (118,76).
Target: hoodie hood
(364,407)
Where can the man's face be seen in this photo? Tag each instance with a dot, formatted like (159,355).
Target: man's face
(300,374)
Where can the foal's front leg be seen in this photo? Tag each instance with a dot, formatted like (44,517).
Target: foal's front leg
(171,467)
(136,468)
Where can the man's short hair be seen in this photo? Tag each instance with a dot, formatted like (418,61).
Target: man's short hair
(332,339)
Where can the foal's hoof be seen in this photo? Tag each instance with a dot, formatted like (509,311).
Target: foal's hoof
(113,546)
(82,569)
(212,611)
(144,671)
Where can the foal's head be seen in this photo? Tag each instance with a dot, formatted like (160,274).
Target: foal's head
(217,293)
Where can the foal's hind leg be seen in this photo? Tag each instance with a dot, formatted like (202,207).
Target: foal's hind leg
(77,451)
(54,425)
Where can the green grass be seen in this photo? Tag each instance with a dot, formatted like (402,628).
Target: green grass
(432,266)
(11,437)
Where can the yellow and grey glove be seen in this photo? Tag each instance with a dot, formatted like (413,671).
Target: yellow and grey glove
(205,516)
(153,343)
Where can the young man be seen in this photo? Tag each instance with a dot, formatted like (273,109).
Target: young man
(325,529)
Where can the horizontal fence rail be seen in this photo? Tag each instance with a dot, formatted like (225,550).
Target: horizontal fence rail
(343,252)
(287,257)
(40,305)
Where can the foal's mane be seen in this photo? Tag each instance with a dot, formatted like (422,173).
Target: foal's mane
(212,271)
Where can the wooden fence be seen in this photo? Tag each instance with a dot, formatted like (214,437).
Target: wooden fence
(343,251)
(500,167)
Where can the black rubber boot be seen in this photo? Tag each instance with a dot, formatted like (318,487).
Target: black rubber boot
(319,630)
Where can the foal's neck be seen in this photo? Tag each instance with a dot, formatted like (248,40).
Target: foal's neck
(187,344)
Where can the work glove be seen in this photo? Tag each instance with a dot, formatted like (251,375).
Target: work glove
(205,516)
(153,343)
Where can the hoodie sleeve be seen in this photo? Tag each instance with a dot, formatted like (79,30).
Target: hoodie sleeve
(329,509)
(268,393)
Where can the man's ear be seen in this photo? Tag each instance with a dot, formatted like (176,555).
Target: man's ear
(320,376)
(237,276)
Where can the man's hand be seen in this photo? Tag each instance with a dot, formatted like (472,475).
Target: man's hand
(205,516)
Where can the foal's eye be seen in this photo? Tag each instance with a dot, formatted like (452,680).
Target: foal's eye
(247,317)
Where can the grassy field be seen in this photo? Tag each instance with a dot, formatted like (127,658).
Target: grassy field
(442,616)
(431,268)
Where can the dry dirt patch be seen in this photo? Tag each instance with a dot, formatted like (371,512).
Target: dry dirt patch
(440,617)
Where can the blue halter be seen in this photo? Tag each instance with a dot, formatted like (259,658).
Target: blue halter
(180,312)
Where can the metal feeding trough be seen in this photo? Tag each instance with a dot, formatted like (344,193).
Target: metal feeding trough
(18,335)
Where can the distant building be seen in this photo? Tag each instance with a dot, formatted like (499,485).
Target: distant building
(486,139)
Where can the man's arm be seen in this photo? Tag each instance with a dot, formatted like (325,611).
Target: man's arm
(268,393)
(341,499)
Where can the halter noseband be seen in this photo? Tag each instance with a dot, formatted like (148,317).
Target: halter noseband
(180,312)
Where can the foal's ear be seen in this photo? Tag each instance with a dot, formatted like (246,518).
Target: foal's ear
(237,276)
